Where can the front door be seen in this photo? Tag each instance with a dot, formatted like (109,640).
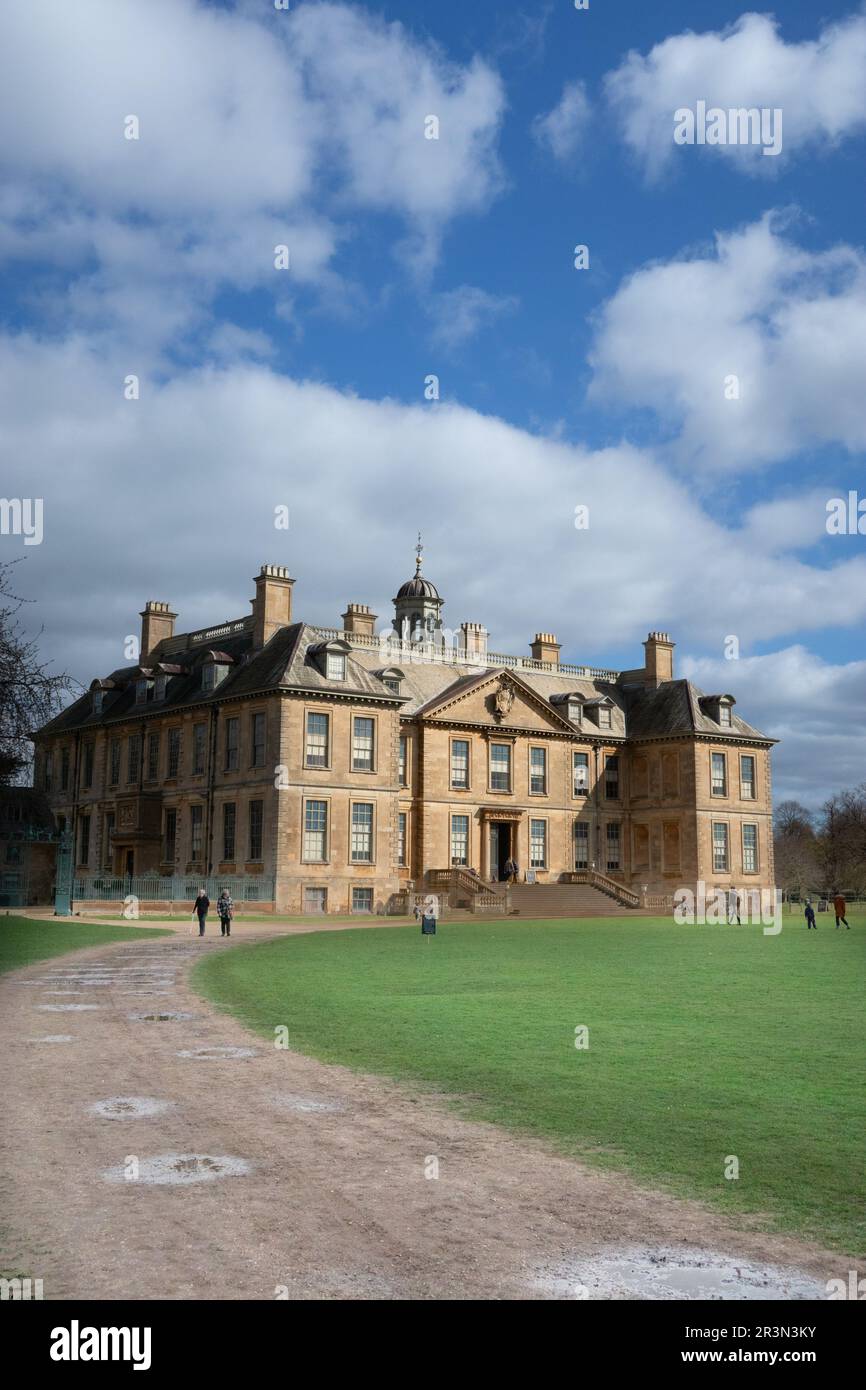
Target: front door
(500,848)
(130,862)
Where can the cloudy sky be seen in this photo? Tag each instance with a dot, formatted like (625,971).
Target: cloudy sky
(700,386)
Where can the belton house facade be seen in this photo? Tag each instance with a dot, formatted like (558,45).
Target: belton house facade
(342,769)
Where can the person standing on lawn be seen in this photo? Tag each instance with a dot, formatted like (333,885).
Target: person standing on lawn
(200,908)
(840,907)
(226,910)
(810,916)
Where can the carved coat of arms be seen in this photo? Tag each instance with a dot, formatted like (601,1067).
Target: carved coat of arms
(502,702)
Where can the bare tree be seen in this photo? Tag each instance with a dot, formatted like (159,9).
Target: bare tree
(842,841)
(795,849)
(30,694)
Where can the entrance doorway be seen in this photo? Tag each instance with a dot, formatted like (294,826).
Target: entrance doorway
(500,847)
(130,863)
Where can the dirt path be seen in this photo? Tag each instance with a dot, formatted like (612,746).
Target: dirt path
(334,1202)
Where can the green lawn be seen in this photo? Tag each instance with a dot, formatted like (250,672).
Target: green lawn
(24,940)
(704,1042)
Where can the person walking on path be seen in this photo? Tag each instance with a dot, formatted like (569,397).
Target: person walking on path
(200,909)
(226,910)
(810,916)
(840,907)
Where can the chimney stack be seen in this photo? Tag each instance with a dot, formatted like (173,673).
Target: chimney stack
(474,639)
(659,659)
(545,648)
(272,605)
(157,624)
(358,618)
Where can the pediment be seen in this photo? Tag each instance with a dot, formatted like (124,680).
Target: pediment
(499,699)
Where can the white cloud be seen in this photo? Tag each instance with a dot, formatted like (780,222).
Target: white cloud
(815,708)
(256,128)
(563,129)
(461,313)
(789,324)
(820,86)
(176,491)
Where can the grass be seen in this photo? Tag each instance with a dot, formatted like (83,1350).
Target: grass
(704,1042)
(24,940)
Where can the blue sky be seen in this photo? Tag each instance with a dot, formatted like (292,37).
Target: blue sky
(558,387)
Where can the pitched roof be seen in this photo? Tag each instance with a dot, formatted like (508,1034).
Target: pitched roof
(674,708)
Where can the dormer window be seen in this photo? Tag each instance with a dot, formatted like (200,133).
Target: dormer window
(575,710)
(391,677)
(215,669)
(98,697)
(600,711)
(719,708)
(159,687)
(330,658)
(142,686)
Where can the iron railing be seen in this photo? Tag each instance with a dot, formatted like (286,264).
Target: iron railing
(172,887)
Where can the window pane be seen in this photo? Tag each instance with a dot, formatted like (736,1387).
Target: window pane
(720,847)
(229,820)
(232,744)
(198,747)
(195,831)
(581,845)
(362,900)
(256,825)
(612,846)
(750,848)
(362,746)
(500,767)
(611,777)
(460,762)
(401,769)
(538,770)
(173,752)
(362,832)
(401,838)
(459,840)
(719,775)
(747,776)
(258,732)
(335,667)
(537,844)
(315,830)
(152,757)
(581,773)
(317,740)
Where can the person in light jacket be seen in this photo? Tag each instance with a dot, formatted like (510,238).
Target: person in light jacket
(226,910)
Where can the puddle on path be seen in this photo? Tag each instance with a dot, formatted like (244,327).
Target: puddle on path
(128,1107)
(180,1169)
(668,1273)
(217,1054)
(308,1104)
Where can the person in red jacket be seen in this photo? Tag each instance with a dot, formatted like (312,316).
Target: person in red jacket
(840,908)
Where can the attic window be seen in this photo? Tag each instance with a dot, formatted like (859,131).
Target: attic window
(391,678)
(725,716)
(335,666)
(213,673)
(575,710)
(98,697)
(603,717)
(142,687)
(159,687)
